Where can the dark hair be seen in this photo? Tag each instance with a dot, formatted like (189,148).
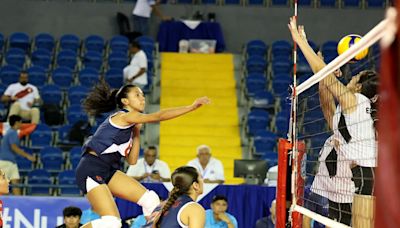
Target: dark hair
(135,44)
(219,197)
(23,72)
(182,178)
(72,211)
(102,99)
(369,88)
(152,148)
(14,118)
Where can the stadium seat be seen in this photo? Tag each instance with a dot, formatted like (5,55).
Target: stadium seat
(358,66)
(67,183)
(9,74)
(256,48)
(70,42)
(351,3)
(256,64)
(119,43)
(20,40)
(88,77)
(329,50)
(305,2)
(281,83)
(76,94)
(255,82)
(16,57)
(63,135)
(327,3)
(282,123)
(39,177)
(62,77)
(1,42)
(303,68)
(281,65)
(93,59)
(184,1)
(75,151)
(75,114)
(264,141)
(24,165)
(256,2)
(271,157)
(232,2)
(279,2)
(314,122)
(117,60)
(257,119)
(37,76)
(67,58)
(376,3)
(41,136)
(263,99)
(51,159)
(51,94)
(44,41)
(41,57)
(281,48)
(94,43)
(114,77)
(209,2)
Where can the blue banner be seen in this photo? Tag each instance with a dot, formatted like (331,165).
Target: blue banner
(37,212)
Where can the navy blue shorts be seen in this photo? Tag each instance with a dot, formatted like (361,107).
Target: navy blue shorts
(92,171)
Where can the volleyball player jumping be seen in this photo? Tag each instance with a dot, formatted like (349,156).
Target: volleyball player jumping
(118,136)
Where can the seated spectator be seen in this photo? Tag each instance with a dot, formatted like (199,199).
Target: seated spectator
(272,176)
(10,146)
(268,222)
(217,216)
(135,72)
(72,217)
(149,168)
(139,222)
(88,216)
(210,168)
(24,97)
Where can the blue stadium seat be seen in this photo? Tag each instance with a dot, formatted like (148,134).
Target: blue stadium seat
(257,119)
(16,57)
(37,76)
(327,3)
(281,48)
(281,83)
(305,2)
(39,177)
(256,47)
(76,94)
(303,68)
(256,64)
(24,165)
(67,58)
(351,3)
(51,94)
(329,50)
(376,3)
(282,123)
(75,151)
(63,133)
(9,74)
(210,2)
(67,182)
(75,114)
(62,76)
(271,157)
(281,65)
(70,42)
(93,59)
(117,60)
(51,159)
(88,77)
(41,57)
(279,2)
(20,40)
(74,162)
(44,41)
(1,42)
(119,43)
(314,122)
(264,141)
(232,2)
(114,77)
(185,1)
(41,136)
(94,43)
(255,82)
(256,2)
(263,99)
(358,66)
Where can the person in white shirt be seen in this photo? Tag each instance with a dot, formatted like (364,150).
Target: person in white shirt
(149,168)
(210,168)
(141,15)
(136,72)
(24,97)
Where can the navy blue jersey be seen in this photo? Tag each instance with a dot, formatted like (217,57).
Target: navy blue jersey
(110,142)
(171,217)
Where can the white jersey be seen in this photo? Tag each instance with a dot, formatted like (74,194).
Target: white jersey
(139,60)
(362,147)
(339,188)
(26,94)
(143,8)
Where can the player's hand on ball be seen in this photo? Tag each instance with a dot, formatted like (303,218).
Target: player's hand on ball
(200,102)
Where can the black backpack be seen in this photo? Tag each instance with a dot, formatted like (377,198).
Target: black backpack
(79,131)
(52,114)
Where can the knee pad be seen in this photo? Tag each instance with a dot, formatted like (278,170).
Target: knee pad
(149,201)
(107,221)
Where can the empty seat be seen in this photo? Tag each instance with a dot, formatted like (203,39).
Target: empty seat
(305,2)
(256,64)
(63,135)
(67,183)
(41,57)
(24,165)
(39,177)
(9,74)
(75,151)
(88,77)
(93,59)
(1,41)
(211,2)
(256,47)
(75,114)
(281,48)
(256,2)
(117,60)
(51,94)
(232,2)
(70,42)
(67,58)
(20,40)
(41,136)
(282,123)
(264,141)
(263,99)
(62,76)
(327,3)
(281,65)
(114,77)
(281,84)
(329,50)
(44,41)
(51,159)
(376,3)
(119,43)
(351,3)
(77,93)
(254,83)
(147,44)
(94,43)
(257,119)
(16,57)
(280,2)
(37,76)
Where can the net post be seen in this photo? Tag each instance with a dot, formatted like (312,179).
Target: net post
(283,150)
(297,217)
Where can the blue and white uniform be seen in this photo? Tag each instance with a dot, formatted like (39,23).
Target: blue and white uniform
(171,218)
(110,142)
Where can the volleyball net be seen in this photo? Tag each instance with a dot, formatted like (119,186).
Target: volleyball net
(331,153)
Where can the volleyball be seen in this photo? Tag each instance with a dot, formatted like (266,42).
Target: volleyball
(348,41)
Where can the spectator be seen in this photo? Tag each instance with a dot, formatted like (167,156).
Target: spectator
(217,216)
(268,222)
(149,168)
(24,97)
(10,147)
(210,168)
(89,215)
(72,217)
(141,15)
(4,188)
(135,72)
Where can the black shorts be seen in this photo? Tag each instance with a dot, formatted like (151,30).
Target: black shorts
(363,178)
(340,212)
(91,166)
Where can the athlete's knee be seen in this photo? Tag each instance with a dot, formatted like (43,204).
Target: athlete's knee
(107,221)
(149,201)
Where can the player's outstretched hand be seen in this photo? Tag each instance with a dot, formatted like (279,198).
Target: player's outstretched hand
(200,102)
